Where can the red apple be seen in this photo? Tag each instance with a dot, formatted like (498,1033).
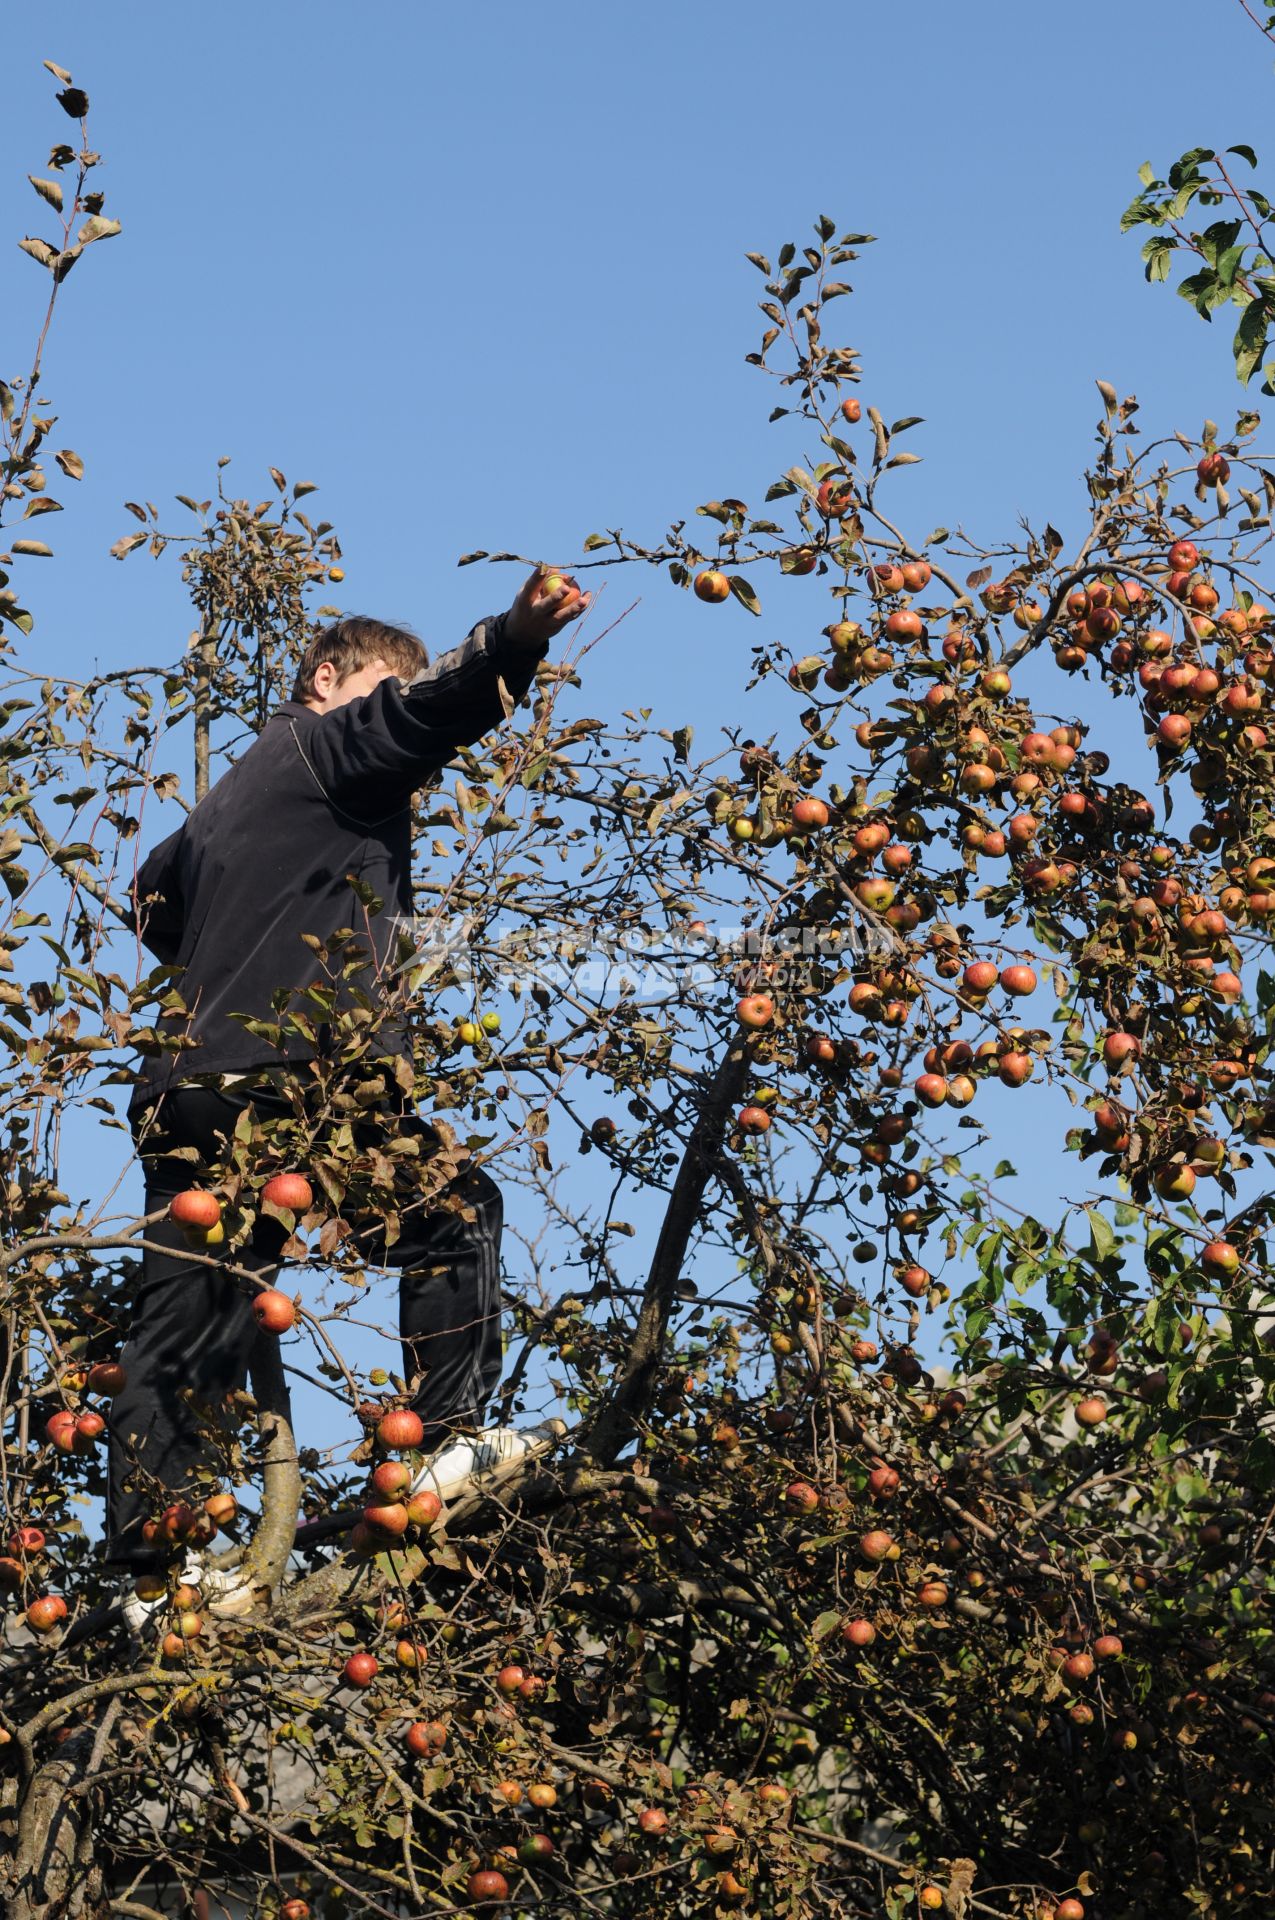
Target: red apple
(426,1738)
(195,1208)
(108,1378)
(400,1427)
(273,1310)
(388,1519)
(424,1508)
(46,1613)
(290,1190)
(981,977)
(486,1886)
(1018,980)
(392,1478)
(809,813)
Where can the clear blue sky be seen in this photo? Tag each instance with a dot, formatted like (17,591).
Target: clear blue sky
(478,271)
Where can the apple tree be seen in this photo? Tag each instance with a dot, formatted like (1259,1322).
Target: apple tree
(910,1545)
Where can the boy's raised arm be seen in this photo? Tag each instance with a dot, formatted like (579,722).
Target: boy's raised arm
(404,732)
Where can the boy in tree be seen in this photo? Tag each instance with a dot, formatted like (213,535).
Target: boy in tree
(259,872)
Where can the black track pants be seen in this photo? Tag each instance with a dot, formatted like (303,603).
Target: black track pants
(193,1331)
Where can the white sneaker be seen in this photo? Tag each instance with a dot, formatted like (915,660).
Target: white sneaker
(224,1594)
(448,1470)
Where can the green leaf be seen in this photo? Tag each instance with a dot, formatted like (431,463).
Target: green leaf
(1245,153)
(1102,1241)
(1203,291)
(596,540)
(1250,340)
(1157,253)
(1140,213)
(1146,174)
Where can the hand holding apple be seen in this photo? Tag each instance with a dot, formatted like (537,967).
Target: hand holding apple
(546,603)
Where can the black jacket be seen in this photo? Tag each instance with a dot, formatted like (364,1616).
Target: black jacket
(265,857)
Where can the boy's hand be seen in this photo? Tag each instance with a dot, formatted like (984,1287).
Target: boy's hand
(546,603)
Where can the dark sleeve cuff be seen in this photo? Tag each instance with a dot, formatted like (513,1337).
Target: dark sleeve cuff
(516,663)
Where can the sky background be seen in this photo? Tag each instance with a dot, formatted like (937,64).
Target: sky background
(478,271)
